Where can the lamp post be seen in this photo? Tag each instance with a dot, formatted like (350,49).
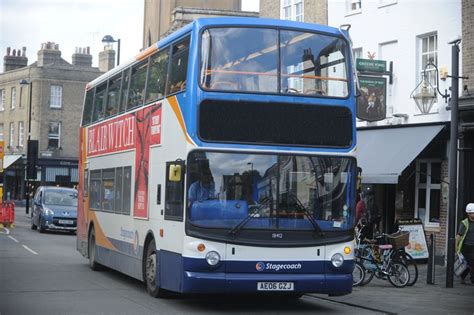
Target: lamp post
(27,182)
(424,100)
(109,40)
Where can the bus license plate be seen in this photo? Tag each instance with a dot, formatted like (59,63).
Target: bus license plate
(275,286)
(66,222)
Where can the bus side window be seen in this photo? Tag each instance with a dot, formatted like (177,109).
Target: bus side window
(94,192)
(156,82)
(136,93)
(98,113)
(87,115)
(179,66)
(124,90)
(113,95)
(127,189)
(174,191)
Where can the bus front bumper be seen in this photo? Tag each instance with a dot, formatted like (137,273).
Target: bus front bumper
(204,282)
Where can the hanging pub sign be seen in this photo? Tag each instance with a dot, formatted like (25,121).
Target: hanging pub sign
(372,101)
(371,65)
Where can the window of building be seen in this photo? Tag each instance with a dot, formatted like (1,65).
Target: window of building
(385,3)
(2,100)
(11,142)
(56,97)
(353,6)
(21,133)
(428,191)
(1,131)
(54,135)
(13,103)
(292,10)
(357,53)
(179,66)
(428,51)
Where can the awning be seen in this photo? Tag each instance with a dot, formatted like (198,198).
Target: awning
(10,159)
(383,154)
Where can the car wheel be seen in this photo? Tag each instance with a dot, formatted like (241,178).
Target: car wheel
(33,225)
(151,267)
(92,252)
(41,228)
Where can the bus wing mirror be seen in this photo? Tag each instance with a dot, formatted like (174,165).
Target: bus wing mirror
(174,172)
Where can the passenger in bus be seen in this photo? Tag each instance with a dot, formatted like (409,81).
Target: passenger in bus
(202,189)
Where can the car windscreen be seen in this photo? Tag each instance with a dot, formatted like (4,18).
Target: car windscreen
(60,198)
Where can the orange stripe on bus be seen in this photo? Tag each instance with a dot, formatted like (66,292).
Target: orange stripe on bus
(100,237)
(274,74)
(175,106)
(147,52)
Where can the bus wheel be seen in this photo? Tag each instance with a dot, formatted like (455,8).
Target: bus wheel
(151,267)
(92,252)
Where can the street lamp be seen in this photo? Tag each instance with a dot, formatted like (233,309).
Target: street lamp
(109,40)
(424,100)
(27,182)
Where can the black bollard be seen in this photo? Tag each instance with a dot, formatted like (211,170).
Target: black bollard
(430,278)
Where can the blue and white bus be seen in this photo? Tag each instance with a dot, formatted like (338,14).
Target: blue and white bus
(222,159)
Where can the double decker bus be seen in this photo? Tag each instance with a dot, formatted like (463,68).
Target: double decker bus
(222,159)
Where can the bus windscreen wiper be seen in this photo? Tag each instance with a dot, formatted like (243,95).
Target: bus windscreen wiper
(308,214)
(241,224)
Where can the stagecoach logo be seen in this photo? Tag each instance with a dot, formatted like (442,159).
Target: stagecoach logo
(261,266)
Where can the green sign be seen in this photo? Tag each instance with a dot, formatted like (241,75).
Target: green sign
(372,99)
(369,65)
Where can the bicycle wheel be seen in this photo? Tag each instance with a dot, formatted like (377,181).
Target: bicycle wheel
(358,274)
(369,275)
(408,260)
(412,268)
(398,274)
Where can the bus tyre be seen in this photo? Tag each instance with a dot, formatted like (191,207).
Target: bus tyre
(93,264)
(151,267)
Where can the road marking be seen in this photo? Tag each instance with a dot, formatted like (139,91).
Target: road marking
(7,231)
(30,250)
(11,237)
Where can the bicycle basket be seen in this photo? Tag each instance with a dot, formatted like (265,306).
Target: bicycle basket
(399,239)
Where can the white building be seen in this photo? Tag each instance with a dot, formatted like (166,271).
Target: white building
(405,155)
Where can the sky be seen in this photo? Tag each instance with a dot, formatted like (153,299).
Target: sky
(75,23)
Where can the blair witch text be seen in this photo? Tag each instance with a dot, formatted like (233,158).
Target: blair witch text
(115,135)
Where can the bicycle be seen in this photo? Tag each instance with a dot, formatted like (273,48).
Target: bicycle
(391,266)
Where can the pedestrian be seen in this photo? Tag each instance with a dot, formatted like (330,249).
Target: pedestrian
(370,217)
(465,242)
(360,208)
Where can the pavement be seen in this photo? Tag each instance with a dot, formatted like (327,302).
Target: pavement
(422,298)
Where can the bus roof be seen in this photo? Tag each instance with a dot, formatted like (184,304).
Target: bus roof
(200,23)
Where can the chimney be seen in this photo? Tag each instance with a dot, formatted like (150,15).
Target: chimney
(15,60)
(49,54)
(82,57)
(106,59)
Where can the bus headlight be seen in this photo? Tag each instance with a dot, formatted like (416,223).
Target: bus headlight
(213,258)
(337,260)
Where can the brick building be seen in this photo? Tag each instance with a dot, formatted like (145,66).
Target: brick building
(57,93)
(165,16)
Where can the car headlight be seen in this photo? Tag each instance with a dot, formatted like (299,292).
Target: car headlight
(213,258)
(337,260)
(48,211)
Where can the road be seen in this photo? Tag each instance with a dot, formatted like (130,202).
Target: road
(44,274)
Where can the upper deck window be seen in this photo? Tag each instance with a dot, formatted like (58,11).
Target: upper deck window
(286,62)
(179,66)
